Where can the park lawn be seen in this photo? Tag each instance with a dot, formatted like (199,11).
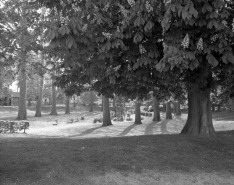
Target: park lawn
(155,159)
(86,153)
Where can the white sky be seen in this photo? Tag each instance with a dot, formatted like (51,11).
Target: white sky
(13,86)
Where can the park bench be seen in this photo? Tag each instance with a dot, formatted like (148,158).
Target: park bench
(13,126)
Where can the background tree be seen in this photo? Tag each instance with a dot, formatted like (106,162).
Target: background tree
(106,29)
(18,22)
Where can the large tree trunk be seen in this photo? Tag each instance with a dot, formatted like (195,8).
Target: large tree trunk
(168,110)
(22,112)
(53,109)
(199,121)
(156,110)
(138,113)
(67,107)
(102,104)
(106,111)
(39,100)
(178,110)
(91,102)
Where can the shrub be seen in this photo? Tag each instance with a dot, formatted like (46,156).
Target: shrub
(129,119)
(100,120)
(13,126)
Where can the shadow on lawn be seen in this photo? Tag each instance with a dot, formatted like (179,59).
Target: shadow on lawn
(162,125)
(86,132)
(126,130)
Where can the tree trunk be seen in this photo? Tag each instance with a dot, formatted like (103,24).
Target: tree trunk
(138,113)
(106,112)
(213,107)
(22,112)
(174,107)
(114,102)
(74,103)
(39,100)
(164,107)
(67,107)
(156,110)
(219,107)
(29,103)
(168,110)
(199,121)
(91,102)
(178,110)
(102,104)
(53,110)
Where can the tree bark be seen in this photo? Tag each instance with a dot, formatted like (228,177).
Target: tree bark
(29,103)
(114,98)
(213,107)
(22,112)
(74,103)
(174,107)
(219,108)
(199,120)
(91,101)
(168,110)
(67,107)
(178,110)
(39,100)
(106,112)
(138,113)
(102,104)
(53,109)
(156,110)
(164,107)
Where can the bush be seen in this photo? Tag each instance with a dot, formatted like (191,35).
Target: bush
(100,120)
(129,119)
(13,126)
(82,118)
(131,111)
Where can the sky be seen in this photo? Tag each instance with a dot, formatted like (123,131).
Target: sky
(13,86)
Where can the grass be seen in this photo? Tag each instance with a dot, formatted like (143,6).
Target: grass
(66,161)
(146,159)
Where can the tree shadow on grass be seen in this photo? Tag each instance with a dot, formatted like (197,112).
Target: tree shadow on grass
(126,130)
(89,113)
(162,125)
(149,128)
(86,132)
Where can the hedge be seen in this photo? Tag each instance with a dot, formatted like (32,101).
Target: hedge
(13,126)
